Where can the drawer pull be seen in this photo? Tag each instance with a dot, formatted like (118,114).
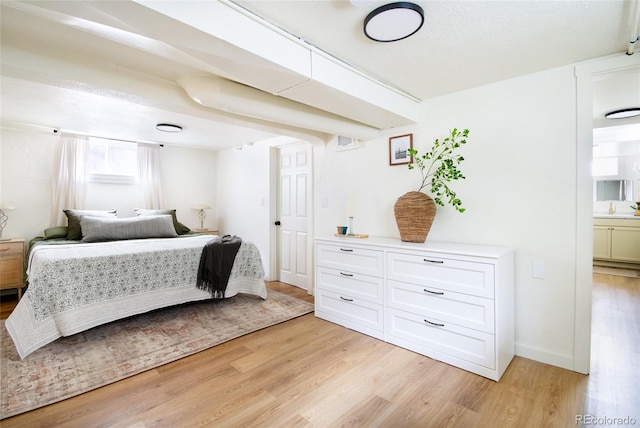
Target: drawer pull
(434,323)
(439,293)
(5,249)
(345,299)
(348,250)
(433,261)
(346,274)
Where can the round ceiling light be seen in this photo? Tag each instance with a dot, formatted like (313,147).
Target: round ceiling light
(168,127)
(393,22)
(623,114)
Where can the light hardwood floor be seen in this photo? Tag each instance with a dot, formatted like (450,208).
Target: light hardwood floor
(311,373)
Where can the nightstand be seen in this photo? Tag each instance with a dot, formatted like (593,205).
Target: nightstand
(12,265)
(206,231)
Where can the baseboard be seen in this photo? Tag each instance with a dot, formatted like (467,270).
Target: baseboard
(612,264)
(617,271)
(564,361)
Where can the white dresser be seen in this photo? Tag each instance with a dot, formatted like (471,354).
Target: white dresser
(451,302)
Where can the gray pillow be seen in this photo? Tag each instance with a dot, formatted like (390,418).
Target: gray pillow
(98,229)
(181,229)
(73,217)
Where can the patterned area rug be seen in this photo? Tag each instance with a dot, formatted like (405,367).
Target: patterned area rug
(105,354)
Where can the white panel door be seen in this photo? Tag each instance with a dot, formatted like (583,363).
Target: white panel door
(295,210)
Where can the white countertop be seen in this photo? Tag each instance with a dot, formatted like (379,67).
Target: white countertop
(617,216)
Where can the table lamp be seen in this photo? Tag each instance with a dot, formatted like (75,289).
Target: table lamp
(201,213)
(4,218)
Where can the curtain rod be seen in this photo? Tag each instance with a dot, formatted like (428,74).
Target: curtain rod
(57,130)
(21,126)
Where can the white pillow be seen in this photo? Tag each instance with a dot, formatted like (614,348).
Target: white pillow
(97,229)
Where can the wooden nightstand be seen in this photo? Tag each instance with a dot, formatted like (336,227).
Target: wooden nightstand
(206,231)
(12,265)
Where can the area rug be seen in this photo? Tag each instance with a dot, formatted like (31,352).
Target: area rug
(105,354)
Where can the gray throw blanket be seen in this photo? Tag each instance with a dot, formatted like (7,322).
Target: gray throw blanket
(216,262)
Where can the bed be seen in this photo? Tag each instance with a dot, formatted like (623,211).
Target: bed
(76,285)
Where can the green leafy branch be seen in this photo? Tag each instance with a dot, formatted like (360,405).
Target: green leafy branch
(439,166)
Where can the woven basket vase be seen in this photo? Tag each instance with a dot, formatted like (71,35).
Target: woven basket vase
(414,213)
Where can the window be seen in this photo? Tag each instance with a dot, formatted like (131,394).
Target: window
(112,162)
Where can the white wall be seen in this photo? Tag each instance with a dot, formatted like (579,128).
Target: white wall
(244,197)
(27,159)
(520,192)
(189,178)
(26,171)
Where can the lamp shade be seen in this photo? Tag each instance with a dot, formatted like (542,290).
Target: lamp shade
(201,207)
(393,22)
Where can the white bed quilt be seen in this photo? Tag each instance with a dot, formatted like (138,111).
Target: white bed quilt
(74,287)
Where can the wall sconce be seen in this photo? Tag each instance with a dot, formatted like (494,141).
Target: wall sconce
(201,213)
(3,219)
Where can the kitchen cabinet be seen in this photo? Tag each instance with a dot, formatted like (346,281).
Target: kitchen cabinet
(616,239)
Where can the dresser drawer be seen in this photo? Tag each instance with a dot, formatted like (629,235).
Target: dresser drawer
(353,284)
(414,332)
(473,278)
(11,271)
(461,309)
(357,314)
(11,248)
(347,258)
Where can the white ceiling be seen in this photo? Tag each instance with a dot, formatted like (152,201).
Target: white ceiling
(111,68)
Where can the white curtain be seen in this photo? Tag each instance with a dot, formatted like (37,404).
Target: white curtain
(149,176)
(69,176)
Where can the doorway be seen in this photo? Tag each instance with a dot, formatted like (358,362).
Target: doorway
(585,74)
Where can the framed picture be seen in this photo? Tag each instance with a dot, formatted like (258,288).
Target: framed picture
(399,149)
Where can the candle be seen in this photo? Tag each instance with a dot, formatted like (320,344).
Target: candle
(351,205)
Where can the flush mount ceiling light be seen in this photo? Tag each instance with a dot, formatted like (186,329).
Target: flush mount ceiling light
(623,114)
(168,127)
(393,22)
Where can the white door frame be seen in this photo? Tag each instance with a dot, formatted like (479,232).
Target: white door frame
(585,73)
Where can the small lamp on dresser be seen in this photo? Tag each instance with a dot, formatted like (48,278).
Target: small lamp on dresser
(4,218)
(201,213)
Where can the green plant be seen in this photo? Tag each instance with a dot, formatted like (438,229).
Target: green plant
(439,166)
(636,206)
